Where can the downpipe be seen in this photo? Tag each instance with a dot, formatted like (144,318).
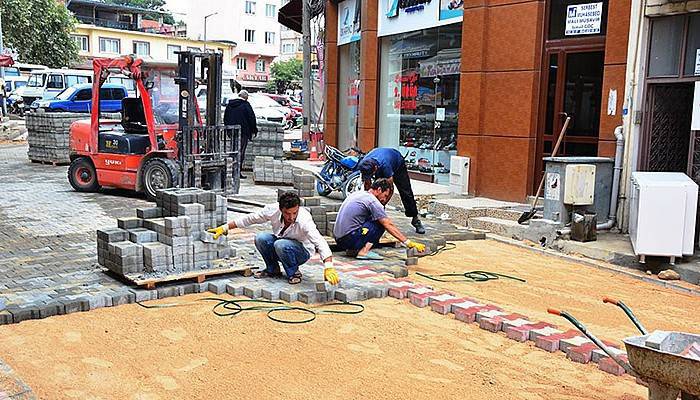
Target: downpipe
(617,173)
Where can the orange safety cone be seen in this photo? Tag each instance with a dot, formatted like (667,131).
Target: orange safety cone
(314,152)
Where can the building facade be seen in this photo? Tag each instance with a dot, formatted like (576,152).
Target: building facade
(663,92)
(290,45)
(97,41)
(110,30)
(491,80)
(252,24)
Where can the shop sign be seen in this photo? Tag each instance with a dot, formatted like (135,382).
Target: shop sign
(430,69)
(399,16)
(348,21)
(583,19)
(451,9)
(257,78)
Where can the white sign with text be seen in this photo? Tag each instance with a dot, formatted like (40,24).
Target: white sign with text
(583,19)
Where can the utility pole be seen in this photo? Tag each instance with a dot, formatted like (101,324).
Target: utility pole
(306,79)
(205,28)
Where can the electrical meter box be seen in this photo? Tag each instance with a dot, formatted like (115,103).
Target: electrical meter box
(579,184)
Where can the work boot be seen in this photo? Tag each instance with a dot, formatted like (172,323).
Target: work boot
(418,225)
(243,176)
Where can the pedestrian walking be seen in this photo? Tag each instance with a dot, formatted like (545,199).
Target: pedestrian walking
(239,112)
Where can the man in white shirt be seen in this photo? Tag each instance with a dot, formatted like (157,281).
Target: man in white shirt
(293,240)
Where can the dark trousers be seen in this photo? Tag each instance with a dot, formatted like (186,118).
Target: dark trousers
(244,145)
(403,184)
(274,251)
(369,232)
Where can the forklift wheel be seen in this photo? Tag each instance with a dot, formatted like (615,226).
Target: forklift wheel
(82,175)
(158,173)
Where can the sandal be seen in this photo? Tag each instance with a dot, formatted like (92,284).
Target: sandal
(295,279)
(264,274)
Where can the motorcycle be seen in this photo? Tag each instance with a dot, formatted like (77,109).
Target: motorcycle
(340,172)
(15,105)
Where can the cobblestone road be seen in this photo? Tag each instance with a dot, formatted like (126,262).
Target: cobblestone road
(48,251)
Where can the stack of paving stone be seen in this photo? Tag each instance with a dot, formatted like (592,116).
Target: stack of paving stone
(270,171)
(168,239)
(268,143)
(304,183)
(48,134)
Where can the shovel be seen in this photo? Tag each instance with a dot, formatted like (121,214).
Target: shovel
(527,215)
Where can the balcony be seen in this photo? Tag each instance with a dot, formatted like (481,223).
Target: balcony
(107,23)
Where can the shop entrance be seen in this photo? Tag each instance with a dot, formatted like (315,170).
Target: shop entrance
(572,80)
(574,88)
(667,144)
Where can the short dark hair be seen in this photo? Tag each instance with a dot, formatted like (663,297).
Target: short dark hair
(367,167)
(382,185)
(289,200)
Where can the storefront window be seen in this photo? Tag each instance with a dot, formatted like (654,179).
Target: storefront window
(348,94)
(569,19)
(419,85)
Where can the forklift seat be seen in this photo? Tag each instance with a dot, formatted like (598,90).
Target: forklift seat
(133,116)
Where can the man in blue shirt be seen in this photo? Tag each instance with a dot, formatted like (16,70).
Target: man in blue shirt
(388,163)
(362,221)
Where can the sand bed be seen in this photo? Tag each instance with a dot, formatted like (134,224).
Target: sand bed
(392,350)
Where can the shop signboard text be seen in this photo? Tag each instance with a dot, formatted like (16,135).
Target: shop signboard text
(583,19)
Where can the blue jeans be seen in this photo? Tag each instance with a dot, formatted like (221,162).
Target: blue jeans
(274,251)
(369,232)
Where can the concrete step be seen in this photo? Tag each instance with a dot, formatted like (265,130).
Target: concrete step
(503,213)
(498,226)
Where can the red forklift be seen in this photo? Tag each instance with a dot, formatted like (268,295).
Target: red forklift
(162,140)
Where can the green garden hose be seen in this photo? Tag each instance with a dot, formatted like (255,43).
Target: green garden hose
(469,276)
(233,307)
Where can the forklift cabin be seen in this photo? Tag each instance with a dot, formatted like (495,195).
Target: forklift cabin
(161,140)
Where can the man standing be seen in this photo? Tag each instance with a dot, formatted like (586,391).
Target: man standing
(239,112)
(293,240)
(388,163)
(362,221)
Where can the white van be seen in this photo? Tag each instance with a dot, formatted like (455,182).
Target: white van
(46,84)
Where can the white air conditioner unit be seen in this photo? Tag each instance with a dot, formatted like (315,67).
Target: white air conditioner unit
(459,174)
(663,208)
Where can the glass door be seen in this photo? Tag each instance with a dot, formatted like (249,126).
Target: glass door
(574,83)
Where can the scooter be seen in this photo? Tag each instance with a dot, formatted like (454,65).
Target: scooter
(340,172)
(15,105)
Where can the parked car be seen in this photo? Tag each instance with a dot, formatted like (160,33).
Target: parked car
(13,83)
(78,98)
(263,103)
(285,101)
(48,83)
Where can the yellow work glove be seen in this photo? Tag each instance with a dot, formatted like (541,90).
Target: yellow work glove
(330,274)
(219,230)
(420,247)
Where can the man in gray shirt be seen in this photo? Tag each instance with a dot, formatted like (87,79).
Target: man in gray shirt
(362,220)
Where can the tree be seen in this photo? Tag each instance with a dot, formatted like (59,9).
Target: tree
(156,5)
(286,74)
(39,31)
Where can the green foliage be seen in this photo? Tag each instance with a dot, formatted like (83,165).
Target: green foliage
(39,30)
(158,5)
(286,74)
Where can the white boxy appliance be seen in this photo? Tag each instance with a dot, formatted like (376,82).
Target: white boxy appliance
(662,214)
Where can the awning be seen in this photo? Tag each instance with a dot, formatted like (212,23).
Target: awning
(252,84)
(290,15)
(6,61)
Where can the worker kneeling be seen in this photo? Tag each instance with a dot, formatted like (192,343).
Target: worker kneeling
(362,220)
(293,240)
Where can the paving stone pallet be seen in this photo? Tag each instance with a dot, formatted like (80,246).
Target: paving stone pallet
(267,143)
(48,135)
(168,240)
(268,170)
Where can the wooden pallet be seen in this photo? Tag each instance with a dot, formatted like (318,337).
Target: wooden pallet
(53,163)
(198,276)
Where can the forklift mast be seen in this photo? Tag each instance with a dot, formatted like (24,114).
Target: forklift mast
(208,150)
